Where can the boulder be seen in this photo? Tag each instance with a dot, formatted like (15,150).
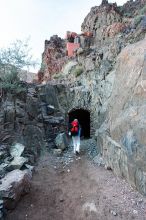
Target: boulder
(34,141)
(17,150)
(17,163)
(61,141)
(15,184)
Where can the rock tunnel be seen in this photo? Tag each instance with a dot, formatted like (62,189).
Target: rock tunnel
(83,117)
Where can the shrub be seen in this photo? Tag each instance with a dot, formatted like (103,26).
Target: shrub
(12,60)
(78,71)
(57,76)
(11,83)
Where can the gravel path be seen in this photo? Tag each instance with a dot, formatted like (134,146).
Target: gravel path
(74,188)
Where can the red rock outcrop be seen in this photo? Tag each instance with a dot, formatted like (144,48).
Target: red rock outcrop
(53,57)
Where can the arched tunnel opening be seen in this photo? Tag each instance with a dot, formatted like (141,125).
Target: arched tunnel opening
(83,117)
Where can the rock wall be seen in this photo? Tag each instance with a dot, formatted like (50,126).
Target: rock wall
(29,123)
(32,119)
(123,134)
(19,120)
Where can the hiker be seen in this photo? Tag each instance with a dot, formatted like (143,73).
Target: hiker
(74,132)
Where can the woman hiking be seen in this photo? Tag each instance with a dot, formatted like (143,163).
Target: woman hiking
(74,132)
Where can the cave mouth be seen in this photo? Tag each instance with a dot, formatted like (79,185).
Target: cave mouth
(83,117)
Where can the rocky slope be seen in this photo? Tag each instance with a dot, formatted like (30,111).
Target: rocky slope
(29,122)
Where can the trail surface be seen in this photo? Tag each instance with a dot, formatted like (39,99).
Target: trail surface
(78,190)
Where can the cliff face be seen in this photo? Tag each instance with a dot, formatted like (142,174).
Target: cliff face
(106,80)
(112,27)
(122,133)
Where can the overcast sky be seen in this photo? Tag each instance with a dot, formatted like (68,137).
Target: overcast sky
(40,19)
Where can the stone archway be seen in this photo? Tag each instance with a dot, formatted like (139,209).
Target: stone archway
(84,119)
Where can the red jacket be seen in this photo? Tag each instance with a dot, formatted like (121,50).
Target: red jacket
(74,128)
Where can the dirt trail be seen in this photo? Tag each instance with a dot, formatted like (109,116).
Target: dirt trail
(78,191)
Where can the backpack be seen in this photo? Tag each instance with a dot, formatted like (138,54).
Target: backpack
(74,128)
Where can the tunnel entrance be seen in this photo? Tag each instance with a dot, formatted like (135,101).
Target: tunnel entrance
(83,117)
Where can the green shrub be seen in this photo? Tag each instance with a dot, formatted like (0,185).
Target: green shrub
(12,60)
(78,71)
(137,19)
(11,83)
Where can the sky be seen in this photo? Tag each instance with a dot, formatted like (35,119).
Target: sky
(40,19)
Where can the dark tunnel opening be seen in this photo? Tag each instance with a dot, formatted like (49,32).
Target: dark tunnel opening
(83,117)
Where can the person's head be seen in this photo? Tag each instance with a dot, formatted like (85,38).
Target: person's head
(76,119)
